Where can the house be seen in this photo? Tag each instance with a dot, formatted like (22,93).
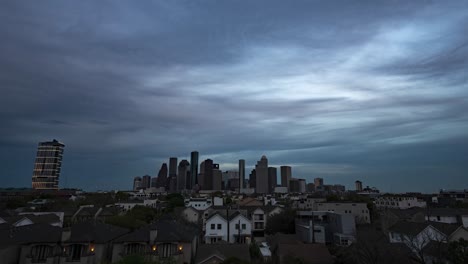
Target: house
(165,239)
(198,203)
(237,230)
(38,243)
(240,228)
(328,227)
(423,238)
(216,228)
(129,205)
(217,253)
(399,202)
(448,216)
(358,210)
(32,218)
(287,247)
(307,202)
(88,242)
(390,217)
(249,201)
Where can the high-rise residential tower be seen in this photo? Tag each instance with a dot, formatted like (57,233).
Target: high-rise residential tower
(183,169)
(193,168)
(272,179)
(241,175)
(285,176)
(47,166)
(261,170)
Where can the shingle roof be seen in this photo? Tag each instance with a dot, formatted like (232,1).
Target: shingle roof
(309,253)
(34,233)
(447,229)
(95,231)
(447,211)
(223,251)
(408,228)
(412,228)
(168,231)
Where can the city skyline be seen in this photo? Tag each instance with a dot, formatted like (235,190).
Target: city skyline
(344,91)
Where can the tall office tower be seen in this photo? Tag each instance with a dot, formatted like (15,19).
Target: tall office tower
(241,175)
(261,170)
(206,174)
(294,185)
(358,186)
(47,166)
(172,167)
(285,176)
(136,183)
(272,179)
(228,177)
(162,176)
(184,167)
(193,169)
(145,182)
(318,182)
(253,179)
(154,182)
(302,185)
(217,178)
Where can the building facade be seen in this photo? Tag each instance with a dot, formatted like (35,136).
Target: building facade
(261,170)
(241,175)
(285,176)
(47,165)
(272,179)
(194,168)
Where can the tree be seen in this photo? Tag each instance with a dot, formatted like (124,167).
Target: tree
(283,222)
(137,217)
(174,200)
(458,251)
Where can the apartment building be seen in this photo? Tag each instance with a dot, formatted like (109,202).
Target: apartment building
(358,210)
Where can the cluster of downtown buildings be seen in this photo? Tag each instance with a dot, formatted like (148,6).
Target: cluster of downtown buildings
(190,176)
(208,176)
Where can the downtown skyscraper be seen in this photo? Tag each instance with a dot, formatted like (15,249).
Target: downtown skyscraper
(261,169)
(193,168)
(47,166)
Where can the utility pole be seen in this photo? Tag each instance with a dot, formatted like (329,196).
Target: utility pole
(313,228)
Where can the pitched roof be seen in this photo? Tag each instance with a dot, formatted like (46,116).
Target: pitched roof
(408,228)
(223,251)
(309,253)
(447,229)
(447,211)
(35,233)
(167,231)
(95,231)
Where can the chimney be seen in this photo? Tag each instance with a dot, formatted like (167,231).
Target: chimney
(66,233)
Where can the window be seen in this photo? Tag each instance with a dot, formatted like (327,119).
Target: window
(40,253)
(438,218)
(213,227)
(76,250)
(244,226)
(219,226)
(237,226)
(166,250)
(134,248)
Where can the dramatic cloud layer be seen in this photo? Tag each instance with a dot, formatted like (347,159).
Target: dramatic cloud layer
(345,90)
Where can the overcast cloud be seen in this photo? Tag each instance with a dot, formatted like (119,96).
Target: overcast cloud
(344,90)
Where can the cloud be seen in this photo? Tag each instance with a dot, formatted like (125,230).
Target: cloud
(325,86)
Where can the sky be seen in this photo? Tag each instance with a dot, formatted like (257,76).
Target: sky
(375,91)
